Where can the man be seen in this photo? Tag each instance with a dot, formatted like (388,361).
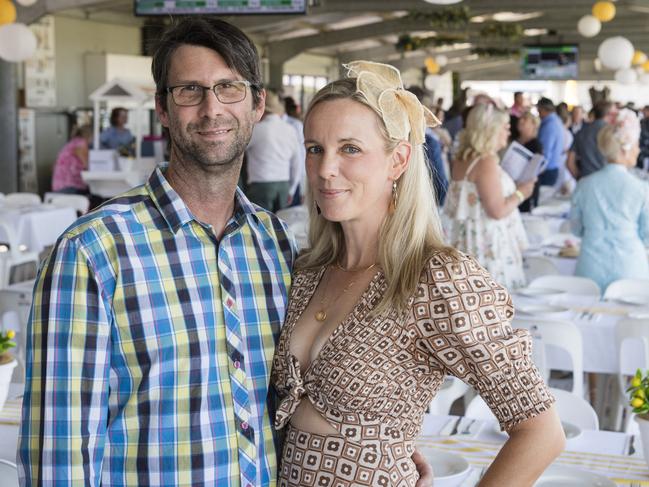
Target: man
(274,159)
(643,156)
(292,116)
(155,318)
(551,138)
(577,119)
(515,112)
(585,157)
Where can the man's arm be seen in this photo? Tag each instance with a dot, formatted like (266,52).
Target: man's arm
(65,405)
(571,164)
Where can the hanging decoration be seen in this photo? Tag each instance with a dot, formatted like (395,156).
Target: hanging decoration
(639,57)
(17,42)
(431,66)
(616,53)
(626,76)
(445,18)
(645,66)
(7,12)
(442,60)
(604,11)
(502,31)
(589,26)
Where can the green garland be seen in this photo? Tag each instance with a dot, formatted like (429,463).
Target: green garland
(407,43)
(501,31)
(446,18)
(496,51)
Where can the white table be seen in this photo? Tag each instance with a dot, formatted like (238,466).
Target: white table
(600,452)
(109,184)
(37,227)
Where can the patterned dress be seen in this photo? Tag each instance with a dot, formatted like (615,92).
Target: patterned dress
(497,244)
(374,377)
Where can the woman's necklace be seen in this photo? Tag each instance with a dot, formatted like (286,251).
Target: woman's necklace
(321,314)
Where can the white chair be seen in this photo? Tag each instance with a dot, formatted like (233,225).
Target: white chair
(536,266)
(565,336)
(570,407)
(627,287)
(570,284)
(22,199)
(632,345)
(537,230)
(16,265)
(560,239)
(8,473)
(565,227)
(451,390)
(79,202)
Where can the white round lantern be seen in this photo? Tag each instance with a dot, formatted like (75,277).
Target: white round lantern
(626,76)
(431,81)
(616,53)
(644,78)
(26,3)
(589,26)
(441,60)
(17,42)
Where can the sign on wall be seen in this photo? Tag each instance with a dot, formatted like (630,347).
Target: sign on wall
(27,181)
(40,70)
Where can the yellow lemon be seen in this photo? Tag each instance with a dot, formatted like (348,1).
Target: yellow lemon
(637,402)
(604,11)
(11,334)
(635,382)
(640,393)
(7,12)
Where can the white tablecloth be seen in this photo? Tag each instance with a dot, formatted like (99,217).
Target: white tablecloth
(38,226)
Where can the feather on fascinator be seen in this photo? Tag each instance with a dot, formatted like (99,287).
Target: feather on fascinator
(627,127)
(400,110)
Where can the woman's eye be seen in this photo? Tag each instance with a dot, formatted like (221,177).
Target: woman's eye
(350,149)
(314,149)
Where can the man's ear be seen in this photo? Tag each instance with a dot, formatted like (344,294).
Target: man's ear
(261,105)
(163,116)
(400,159)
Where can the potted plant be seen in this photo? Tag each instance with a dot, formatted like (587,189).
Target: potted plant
(7,363)
(638,392)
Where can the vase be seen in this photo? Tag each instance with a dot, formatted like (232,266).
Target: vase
(6,371)
(643,425)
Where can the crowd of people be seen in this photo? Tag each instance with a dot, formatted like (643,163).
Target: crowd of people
(177,337)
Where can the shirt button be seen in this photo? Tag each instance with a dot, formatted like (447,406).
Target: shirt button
(237,364)
(244,425)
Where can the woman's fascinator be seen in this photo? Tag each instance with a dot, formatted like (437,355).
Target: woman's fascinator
(400,110)
(627,127)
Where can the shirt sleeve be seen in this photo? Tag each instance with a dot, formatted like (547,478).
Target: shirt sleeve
(65,404)
(576,223)
(464,317)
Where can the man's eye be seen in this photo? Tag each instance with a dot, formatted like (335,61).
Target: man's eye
(192,88)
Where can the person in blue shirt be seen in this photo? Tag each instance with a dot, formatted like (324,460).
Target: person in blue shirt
(610,209)
(117,136)
(551,134)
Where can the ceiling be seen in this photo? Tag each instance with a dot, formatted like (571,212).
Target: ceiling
(369,29)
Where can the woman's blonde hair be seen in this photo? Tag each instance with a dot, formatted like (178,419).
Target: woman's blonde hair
(480,134)
(407,238)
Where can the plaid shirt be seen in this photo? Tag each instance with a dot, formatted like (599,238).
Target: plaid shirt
(127,371)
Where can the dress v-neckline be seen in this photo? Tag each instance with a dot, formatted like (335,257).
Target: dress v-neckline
(306,299)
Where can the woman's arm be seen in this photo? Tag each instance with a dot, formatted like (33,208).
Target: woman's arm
(487,179)
(532,446)
(81,152)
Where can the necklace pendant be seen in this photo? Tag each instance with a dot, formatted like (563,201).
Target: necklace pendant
(321,315)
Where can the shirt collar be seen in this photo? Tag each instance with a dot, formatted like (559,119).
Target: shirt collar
(176,213)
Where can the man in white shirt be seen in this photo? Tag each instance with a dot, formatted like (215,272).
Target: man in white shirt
(274,162)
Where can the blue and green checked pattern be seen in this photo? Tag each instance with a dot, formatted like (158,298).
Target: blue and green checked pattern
(150,345)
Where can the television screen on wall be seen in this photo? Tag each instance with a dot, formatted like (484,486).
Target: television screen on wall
(219,7)
(550,62)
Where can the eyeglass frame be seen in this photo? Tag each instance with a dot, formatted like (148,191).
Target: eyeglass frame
(212,88)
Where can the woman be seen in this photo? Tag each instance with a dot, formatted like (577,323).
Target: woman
(610,209)
(378,307)
(72,159)
(117,136)
(528,130)
(481,214)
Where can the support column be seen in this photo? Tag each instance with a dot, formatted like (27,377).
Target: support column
(275,73)
(8,127)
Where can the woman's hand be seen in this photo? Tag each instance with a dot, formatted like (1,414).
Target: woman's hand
(424,470)
(527,188)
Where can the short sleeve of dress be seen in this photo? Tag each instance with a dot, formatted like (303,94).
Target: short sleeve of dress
(464,319)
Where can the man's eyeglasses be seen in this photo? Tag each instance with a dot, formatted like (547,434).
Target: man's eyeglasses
(225,91)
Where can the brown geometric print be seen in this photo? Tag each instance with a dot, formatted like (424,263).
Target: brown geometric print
(311,459)
(375,377)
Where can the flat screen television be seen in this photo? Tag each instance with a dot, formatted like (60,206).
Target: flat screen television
(219,7)
(550,62)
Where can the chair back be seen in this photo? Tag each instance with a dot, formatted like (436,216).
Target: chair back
(537,230)
(570,284)
(565,336)
(452,389)
(536,266)
(627,287)
(15,262)
(22,199)
(79,202)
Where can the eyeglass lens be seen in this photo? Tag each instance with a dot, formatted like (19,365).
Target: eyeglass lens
(231,92)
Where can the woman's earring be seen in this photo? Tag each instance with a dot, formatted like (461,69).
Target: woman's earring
(317,208)
(393,202)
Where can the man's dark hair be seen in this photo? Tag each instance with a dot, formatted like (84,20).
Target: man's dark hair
(601,109)
(236,49)
(518,93)
(418,91)
(114,115)
(546,104)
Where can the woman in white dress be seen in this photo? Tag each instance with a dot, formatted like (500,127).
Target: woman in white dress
(481,214)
